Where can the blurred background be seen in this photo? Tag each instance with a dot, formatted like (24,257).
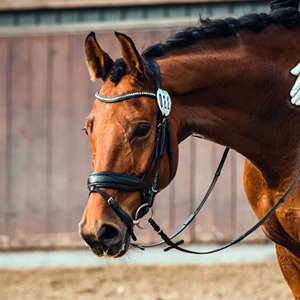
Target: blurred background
(45,96)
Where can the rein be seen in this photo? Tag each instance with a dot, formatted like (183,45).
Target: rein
(172,245)
(195,213)
(99,180)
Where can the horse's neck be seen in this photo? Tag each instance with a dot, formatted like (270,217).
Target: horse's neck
(233,99)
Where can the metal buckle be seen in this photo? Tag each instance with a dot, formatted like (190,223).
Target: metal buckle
(164,102)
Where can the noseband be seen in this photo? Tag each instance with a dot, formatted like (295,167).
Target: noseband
(118,181)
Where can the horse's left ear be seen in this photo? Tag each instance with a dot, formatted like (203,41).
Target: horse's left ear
(131,56)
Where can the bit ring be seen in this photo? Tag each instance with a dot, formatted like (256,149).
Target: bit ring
(137,221)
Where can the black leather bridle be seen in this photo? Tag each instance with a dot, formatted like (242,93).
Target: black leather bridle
(118,181)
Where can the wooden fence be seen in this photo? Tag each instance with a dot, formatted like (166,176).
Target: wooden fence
(45,96)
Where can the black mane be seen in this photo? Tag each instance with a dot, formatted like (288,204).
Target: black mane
(208,28)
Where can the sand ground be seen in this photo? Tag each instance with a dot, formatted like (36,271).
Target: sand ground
(255,281)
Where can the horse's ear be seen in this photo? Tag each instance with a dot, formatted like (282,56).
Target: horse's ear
(99,62)
(131,56)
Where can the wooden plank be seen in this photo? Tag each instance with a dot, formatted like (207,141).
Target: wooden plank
(79,107)
(204,222)
(60,152)
(182,184)
(200,179)
(221,196)
(38,136)
(3,135)
(233,200)
(18,175)
(42,4)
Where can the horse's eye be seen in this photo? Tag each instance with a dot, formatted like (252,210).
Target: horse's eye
(141,130)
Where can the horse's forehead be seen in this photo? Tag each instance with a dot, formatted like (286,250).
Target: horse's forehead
(124,112)
(107,112)
(126,84)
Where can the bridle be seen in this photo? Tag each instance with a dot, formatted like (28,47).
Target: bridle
(118,181)
(98,180)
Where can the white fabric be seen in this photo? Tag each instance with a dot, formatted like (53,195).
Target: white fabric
(295,91)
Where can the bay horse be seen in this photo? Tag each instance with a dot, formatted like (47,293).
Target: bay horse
(229,81)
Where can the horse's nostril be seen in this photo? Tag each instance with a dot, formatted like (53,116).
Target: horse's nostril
(108,235)
(86,238)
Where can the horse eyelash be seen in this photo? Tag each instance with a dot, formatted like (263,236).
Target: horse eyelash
(85,130)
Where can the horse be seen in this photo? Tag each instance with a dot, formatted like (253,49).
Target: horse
(226,80)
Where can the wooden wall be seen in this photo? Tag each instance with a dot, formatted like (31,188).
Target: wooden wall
(41,4)
(16,15)
(45,95)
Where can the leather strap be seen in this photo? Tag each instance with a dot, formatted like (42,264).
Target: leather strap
(117,181)
(155,69)
(118,210)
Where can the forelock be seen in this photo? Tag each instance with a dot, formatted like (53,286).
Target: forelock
(118,71)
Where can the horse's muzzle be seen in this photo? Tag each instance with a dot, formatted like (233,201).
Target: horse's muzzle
(108,242)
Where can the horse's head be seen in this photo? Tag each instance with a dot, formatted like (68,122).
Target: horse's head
(126,129)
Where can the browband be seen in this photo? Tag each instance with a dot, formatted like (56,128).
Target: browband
(125,96)
(162,96)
